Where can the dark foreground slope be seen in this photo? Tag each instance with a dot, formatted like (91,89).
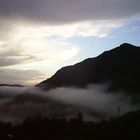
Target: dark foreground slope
(126,127)
(120,67)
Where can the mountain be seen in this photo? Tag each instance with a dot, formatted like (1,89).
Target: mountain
(10,85)
(120,67)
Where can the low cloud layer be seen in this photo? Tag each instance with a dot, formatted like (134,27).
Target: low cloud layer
(94,103)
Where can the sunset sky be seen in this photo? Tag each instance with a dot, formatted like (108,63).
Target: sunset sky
(38,37)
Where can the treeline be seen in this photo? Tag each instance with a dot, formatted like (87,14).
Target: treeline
(126,127)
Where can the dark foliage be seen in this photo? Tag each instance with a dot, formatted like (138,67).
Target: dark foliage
(126,127)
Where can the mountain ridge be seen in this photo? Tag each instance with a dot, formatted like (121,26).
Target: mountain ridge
(119,66)
(11,85)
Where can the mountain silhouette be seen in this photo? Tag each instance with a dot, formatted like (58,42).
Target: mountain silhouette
(120,67)
(11,85)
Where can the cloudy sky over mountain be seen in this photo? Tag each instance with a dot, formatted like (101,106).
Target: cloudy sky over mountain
(37,37)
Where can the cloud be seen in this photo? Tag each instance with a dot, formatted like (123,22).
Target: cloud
(94,99)
(64,18)
(83,29)
(37,30)
(35,34)
(94,103)
(18,103)
(12,76)
(28,48)
(64,11)
(12,56)
(32,44)
(36,43)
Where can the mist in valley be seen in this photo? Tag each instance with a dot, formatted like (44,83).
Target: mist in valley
(94,102)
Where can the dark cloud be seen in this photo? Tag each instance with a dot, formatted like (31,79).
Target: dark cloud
(12,61)
(12,76)
(14,56)
(62,11)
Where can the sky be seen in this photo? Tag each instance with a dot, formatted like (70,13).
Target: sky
(38,37)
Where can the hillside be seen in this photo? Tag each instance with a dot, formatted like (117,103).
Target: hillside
(119,67)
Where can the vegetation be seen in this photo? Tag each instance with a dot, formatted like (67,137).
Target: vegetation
(126,127)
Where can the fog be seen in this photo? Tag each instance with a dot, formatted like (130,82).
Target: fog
(94,102)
